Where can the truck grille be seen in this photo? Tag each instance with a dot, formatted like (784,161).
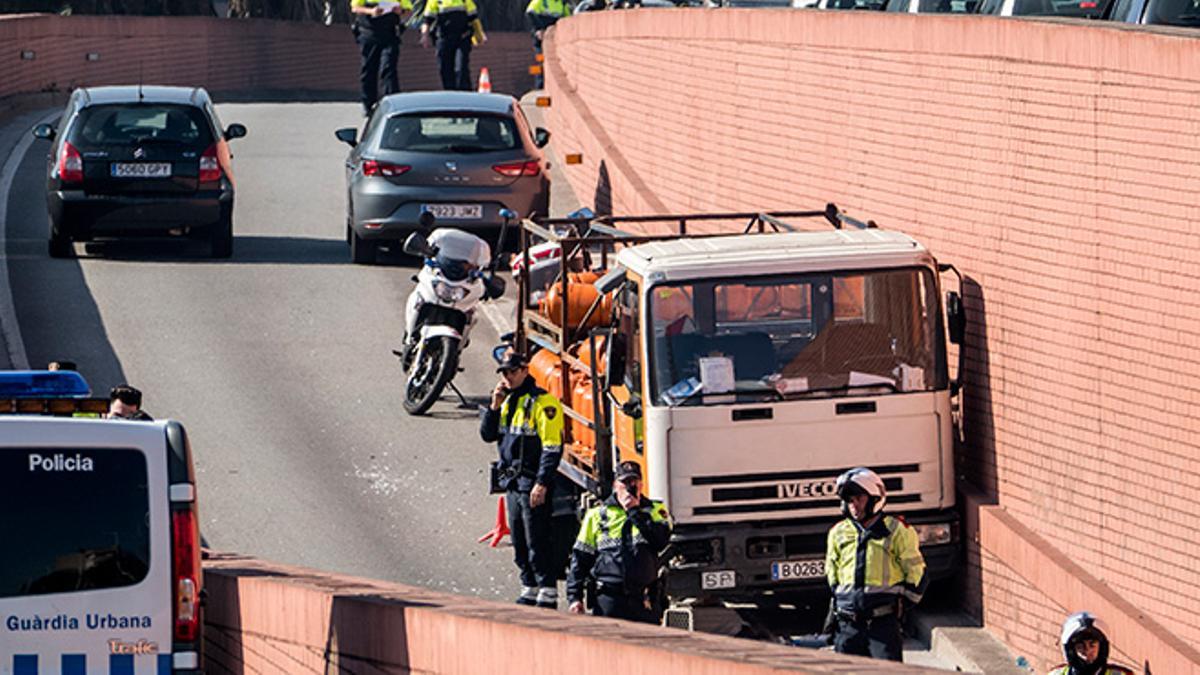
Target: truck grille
(792,490)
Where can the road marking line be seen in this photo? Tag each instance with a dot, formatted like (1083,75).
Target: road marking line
(8,309)
(498,319)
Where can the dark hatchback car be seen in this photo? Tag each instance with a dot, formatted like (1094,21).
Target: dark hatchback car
(139,161)
(462,156)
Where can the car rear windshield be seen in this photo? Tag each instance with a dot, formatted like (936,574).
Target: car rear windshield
(1175,12)
(441,132)
(72,519)
(141,123)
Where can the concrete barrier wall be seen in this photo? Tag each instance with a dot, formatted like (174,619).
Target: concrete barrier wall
(267,619)
(244,56)
(1056,164)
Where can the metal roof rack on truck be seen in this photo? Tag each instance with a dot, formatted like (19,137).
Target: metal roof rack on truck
(583,235)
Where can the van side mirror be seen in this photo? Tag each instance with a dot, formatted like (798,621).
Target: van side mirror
(235,130)
(44,132)
(416,244)
(956,318)
(349,136)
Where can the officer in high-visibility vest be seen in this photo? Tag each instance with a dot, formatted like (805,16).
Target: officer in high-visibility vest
(455,25)
(377,26)
(528,424)
(874,566)
(618,547)
(1085,647)
(543,14)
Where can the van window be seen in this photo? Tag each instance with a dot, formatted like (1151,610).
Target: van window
(80,519)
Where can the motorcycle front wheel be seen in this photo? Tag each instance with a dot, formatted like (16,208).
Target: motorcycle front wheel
(434,366)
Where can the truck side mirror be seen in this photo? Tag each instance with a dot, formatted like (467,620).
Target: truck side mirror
(615,372)
(956,318)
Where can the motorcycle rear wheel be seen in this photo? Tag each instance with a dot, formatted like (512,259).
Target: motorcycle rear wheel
(430,372)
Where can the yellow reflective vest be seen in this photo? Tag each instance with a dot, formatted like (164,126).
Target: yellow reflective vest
(550,8)
(528,428)
(870,567)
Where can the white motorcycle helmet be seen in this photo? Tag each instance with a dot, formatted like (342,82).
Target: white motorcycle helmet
(862,481)
(1079,626)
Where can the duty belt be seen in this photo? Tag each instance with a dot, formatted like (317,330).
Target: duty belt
(866,615)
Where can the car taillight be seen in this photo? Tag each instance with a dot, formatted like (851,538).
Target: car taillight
(210,166)
(515,169)
(70,164)
(186,559)
(371,167)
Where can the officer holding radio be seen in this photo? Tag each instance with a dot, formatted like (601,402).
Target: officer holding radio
(526,422)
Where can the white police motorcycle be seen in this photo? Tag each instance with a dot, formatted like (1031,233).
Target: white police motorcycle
(458,272)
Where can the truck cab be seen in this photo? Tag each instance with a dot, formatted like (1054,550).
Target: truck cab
(746,372)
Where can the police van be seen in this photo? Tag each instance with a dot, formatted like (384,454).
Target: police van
(100,571)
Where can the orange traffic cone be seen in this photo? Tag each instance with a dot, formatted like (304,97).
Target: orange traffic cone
(497,533)
(485,81)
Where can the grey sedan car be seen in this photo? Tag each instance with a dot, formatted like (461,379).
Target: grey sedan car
(462,156)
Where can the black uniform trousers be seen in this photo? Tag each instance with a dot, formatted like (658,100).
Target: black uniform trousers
(617,603)
(454,61)
(533,544)
(878,638)
(379,57)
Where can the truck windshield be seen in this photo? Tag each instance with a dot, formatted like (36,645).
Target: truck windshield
(796,336)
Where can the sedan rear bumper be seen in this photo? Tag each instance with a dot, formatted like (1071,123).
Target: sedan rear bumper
(390,211)
(81,215)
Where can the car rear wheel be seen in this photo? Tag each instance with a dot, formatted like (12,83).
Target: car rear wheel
(362,251)
(221,238)
(60,245)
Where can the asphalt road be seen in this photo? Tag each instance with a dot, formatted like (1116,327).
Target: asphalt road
(278,362)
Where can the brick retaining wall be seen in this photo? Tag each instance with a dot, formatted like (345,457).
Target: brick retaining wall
(1054,162)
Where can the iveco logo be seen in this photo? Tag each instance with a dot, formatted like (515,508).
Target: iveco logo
(452,167)
(139,153)
(814,489)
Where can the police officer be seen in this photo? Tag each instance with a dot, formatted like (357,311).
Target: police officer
(455,24)
(874,566)
(543,14)
(618,549)
(527,421)
(1085,647)
(377,27)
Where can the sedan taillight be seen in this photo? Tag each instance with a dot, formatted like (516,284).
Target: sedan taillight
(210,166)
(371,167)
(70,164)
(517,169)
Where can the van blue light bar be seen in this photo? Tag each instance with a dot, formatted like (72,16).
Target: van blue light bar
(43,384)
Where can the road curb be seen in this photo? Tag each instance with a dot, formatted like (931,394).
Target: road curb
(958,640)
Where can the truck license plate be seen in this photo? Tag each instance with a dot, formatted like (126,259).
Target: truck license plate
(788,570)
(718,579)
(456,211)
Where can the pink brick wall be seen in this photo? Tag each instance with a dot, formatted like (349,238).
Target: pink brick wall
(266,619)
(223,55)
(1054,163)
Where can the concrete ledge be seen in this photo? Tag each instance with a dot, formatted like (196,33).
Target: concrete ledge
(266,618)
(959,640)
